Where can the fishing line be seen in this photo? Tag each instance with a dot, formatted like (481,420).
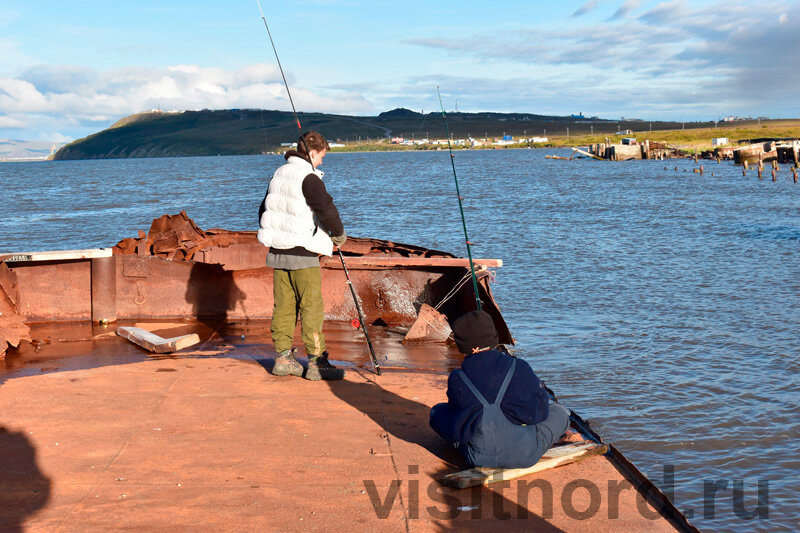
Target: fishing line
(363,325)
(269,33)
(460,204)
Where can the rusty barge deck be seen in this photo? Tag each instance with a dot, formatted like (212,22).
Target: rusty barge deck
(96,433)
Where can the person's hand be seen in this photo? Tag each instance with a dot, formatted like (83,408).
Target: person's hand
(339,240)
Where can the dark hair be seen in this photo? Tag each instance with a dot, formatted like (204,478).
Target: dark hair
(311,140)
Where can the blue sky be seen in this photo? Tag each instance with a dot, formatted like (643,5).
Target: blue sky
(68,69)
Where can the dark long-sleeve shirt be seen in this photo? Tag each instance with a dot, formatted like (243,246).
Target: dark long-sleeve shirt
(526,401)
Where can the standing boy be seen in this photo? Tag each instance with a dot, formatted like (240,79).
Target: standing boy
(299,222)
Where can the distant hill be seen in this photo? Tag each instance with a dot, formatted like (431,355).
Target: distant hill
(15,150)
(254,131)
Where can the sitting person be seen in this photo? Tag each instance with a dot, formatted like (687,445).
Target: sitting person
(498,413)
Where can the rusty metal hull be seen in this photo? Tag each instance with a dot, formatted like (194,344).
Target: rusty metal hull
(223,275)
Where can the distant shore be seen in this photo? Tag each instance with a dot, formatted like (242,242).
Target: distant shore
(690,140)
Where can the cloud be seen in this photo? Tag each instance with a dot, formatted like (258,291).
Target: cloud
(625,9)
(722,58)
(83,100)
(585,8)
(10,122)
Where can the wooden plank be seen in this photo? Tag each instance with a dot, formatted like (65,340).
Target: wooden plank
(587,153)
(152,342)
(560,455)
(56,255)
(356,262)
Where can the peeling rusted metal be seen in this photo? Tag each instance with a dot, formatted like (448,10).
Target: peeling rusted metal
(177,270)
(430,326)
(13,329)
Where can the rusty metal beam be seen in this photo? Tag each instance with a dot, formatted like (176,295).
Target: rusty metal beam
(104,289)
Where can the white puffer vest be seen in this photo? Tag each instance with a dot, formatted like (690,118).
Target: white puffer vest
(288,221)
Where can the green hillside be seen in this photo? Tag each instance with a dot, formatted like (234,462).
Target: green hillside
(254,131)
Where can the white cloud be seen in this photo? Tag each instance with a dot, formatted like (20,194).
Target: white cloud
(10,122)
(625,9)
(585,8)
(77,100)
(677,59)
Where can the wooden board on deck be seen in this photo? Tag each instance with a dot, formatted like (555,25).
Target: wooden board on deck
(560,455)
(56,255)
(154,343)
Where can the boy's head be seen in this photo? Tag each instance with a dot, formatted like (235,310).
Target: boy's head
(313,146)
(474,332)
(311,141)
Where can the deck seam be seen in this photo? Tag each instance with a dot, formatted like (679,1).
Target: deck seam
(379,391)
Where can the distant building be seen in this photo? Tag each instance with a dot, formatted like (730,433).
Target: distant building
(629,140)
(397,140)
(719,141)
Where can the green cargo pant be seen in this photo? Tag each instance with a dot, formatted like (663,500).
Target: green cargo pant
(298,292)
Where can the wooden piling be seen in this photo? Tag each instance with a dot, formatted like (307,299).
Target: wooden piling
(773,174)
(794,174)
(760,170)
(746,165)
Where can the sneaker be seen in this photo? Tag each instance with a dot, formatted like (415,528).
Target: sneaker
(319,368)
(286,364)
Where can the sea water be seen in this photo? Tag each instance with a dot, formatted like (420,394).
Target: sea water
(659,303)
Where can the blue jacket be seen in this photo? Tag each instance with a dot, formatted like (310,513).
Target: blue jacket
(526,400)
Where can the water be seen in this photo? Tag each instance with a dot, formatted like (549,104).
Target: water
(662,305)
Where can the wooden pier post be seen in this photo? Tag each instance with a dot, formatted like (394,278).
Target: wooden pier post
(760,170)
(794,174)
(773,174)
(746,165)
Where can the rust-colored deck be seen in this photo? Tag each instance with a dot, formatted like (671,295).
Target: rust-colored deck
(98,435)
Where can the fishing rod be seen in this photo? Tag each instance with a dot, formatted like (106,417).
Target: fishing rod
(360,314)
(363,325)
(460,205)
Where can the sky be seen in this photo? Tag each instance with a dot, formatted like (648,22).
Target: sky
(69,69)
